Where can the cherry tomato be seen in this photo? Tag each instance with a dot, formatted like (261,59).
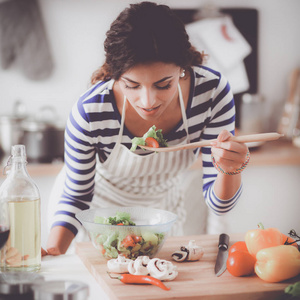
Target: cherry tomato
(238,246)
(240,262)
(151,142)
(136,238)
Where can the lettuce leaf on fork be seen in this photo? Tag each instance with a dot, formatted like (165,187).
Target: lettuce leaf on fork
(152,132)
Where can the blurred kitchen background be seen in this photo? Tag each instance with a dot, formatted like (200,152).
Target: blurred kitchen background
(49,49)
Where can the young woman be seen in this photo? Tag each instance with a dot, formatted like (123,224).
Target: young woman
(151,76)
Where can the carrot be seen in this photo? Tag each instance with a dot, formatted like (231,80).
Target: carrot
(151,142)
(120,224)
(128,241)
(140,279)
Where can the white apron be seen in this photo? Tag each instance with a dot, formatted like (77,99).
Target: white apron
(128,179)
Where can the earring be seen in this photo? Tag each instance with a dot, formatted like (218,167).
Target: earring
(182,74)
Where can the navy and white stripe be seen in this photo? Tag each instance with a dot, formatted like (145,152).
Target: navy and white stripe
(94,124)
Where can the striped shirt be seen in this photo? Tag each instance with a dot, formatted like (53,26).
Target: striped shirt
(94,124)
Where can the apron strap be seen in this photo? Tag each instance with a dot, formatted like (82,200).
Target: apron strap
(182,107)
(122,122)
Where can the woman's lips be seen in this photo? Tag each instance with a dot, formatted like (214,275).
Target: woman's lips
(149,111)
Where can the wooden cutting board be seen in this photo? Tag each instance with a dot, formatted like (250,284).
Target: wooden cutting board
(195,280)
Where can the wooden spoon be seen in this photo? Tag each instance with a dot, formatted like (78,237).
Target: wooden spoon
(260,137)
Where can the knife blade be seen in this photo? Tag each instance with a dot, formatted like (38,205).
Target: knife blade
(220,266)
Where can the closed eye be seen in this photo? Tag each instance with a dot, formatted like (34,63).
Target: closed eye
(131,87)
(162,84)
(165,87)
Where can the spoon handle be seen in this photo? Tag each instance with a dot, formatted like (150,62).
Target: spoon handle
(259,137)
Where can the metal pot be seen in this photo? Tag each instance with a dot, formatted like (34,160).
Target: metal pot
(43,137)
(10,128)
(10,132)
(252,109)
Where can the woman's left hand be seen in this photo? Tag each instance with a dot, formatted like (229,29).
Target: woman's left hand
(43,252)
(228,155)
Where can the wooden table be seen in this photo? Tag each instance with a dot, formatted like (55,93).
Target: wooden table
(195,280)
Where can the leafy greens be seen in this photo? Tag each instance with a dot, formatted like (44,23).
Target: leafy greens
(152,132)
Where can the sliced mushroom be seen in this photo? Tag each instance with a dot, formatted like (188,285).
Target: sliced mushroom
(162,269)
(139,266)
(179,255)
(118,265)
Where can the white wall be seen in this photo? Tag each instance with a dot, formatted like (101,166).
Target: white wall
(270,196)
(76,31)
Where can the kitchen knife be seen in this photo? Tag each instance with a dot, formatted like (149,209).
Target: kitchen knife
(220,266)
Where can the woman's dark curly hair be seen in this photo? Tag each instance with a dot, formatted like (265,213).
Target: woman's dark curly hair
(145,32)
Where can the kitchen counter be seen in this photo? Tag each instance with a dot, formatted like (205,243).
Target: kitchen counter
(70,267)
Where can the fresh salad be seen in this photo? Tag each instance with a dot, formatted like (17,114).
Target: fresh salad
(131,245)
(152,138)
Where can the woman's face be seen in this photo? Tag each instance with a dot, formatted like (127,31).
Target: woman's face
(151,88)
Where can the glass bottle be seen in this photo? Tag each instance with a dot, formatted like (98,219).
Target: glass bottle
(23,248)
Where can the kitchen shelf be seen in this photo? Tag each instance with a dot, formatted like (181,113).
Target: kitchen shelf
(280,152)
(44,169)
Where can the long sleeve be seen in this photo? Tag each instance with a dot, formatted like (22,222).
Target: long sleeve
(222,117)
(80,162)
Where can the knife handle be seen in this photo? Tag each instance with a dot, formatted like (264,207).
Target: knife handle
(223,241)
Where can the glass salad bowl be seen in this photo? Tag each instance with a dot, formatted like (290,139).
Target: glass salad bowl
(112,232)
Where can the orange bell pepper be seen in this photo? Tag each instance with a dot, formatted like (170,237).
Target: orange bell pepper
(261,238)
(275,264)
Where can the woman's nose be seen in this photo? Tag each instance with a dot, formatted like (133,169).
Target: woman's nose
(147,98)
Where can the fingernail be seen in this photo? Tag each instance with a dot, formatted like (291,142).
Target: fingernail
(214,144)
